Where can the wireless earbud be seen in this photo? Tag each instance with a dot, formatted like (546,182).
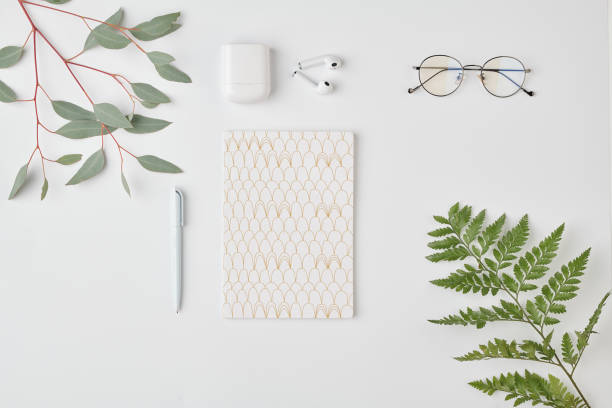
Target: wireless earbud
(323,87)
(330,61)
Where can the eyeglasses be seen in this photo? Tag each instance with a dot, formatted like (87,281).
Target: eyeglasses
(441,75)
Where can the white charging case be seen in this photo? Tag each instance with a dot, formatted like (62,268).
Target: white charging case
(246,72)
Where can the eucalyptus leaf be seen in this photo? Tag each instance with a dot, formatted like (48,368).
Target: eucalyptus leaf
(143,124)
(92,166)
(110,38)
(70,111)
(10,55)
(172,73)
(110,115)
(19,180)
(173,28)
(115,19)
(154,163)
(126,187)
(160,58)
(68,159)
(156,27)
(45,187)
(7,94)
(149,93)
(149,105)
(81,129)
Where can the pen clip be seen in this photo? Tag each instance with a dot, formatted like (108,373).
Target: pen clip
(178,207)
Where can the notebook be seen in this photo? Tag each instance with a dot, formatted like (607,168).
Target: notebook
(288,225)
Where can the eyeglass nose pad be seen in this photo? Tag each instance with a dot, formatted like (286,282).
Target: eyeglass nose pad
(459,78)
(482,78)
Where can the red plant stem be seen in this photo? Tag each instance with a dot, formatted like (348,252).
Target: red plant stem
(114,76)
(67,63)
(116,27)
(78,15)
(27,39)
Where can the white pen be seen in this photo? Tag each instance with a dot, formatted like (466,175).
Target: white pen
(178,247)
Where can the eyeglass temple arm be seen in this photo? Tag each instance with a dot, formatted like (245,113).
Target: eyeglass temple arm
(527,70)
(412,90)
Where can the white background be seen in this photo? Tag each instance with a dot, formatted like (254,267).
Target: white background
(86,316)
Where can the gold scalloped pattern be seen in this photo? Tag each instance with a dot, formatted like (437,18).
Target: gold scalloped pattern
(288,215)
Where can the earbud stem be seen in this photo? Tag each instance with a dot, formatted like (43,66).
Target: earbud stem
(300,74)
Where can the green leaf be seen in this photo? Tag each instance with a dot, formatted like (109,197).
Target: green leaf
(452,254)
(149,93)
(440,232)
(19,180)
(534,264)
(80,129)
(110,115)
(149,105)
(57,1)
(459,217)
(45,187)
(530,387)
(470,282)
(583,336)
(511,243)
(91,40)
(154,163)
(567,349)
(499,348)
(109,37)
(561,287)
(6,94)
(92,166)
(69,159)
(142,124)
(156,27)
(480,317)
(126,187)
(160,58)
(71,111)
(173,74)
(446,243)
(10,55)
(490,235)
(474,227)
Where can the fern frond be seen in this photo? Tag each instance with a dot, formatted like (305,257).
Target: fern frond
(490,235)
(470,281)
(511,243)
(500,348)
(473,229)
(452,254)
(459,217)
(561,287)
(529,387)
(440,232)
(446,243)
(533,265)
(441,219)
(585,335)
(568,350)
(505,312)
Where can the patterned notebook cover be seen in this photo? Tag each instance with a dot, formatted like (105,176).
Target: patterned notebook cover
(288,217)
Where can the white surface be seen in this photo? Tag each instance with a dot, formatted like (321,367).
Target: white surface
(86,288)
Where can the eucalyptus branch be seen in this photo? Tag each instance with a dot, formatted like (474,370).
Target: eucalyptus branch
(464,236)
(104,118)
